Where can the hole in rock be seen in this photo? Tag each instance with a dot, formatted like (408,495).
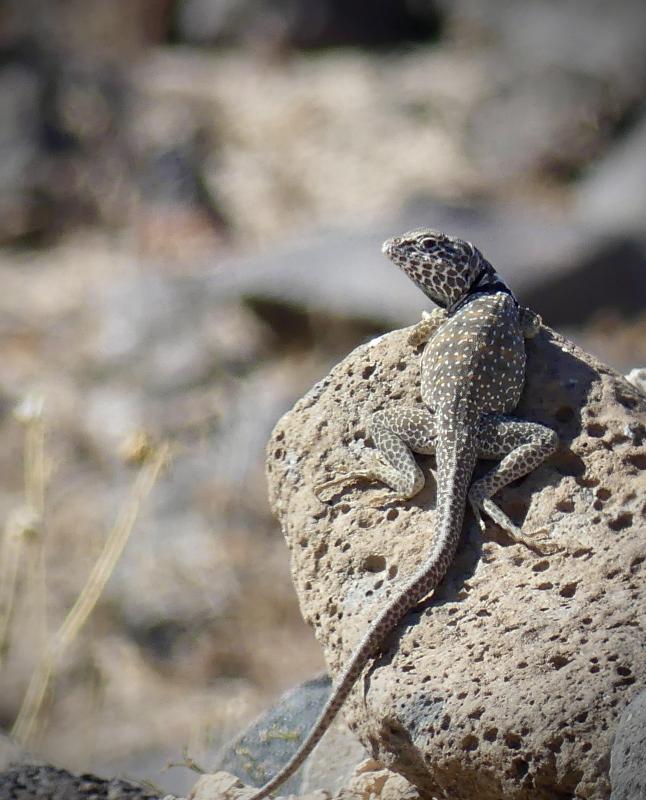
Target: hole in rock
(596,429)
(374,563)
(513,740)
(624,520)
(490,734)
(568,463)
(637,460)
(520,767)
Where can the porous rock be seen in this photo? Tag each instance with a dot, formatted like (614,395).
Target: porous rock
(44,782)
(510,680)
(628,758)
(370,781)
(224,786)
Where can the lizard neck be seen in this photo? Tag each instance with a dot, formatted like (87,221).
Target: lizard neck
(487,281)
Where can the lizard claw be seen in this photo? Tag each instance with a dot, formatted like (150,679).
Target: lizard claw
(475,508)
(337,482)
(540,543)
(381,499)
(340,482)
(537,541)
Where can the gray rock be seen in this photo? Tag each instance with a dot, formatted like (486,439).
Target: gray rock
(510,681)
(304,23)
(547,261)
(628,759)
(11,754)
(333,760)
(18,146)
(271,741)
(564,76)
(611,195)
(30,782)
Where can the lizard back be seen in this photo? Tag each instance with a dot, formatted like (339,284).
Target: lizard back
(475,363)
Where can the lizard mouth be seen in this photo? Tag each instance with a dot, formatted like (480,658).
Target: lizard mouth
(387,247)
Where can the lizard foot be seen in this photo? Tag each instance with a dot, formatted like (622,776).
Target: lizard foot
(340,482)
(475,508)
(381,499)
(538,541)
(377,500)
(530,322)
(430,322)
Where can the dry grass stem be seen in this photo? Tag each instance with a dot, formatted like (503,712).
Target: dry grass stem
(25,722)
(25,525)
(19,527)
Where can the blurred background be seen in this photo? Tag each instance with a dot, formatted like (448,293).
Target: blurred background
(193,194)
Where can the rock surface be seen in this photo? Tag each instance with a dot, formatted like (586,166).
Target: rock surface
(274,737)
(511,680)
(628,759)
(31,782)
(370,781)
(338,766)
(12,754)
(637,377)
(610,195)
(270,741)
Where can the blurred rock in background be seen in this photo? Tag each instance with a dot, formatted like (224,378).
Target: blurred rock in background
(192,199)
(306,23)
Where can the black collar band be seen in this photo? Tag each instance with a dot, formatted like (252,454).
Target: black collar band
(486,282)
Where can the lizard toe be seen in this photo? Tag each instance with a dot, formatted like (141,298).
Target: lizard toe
(475,508)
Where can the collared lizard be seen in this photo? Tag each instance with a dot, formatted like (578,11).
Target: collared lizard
(472,375)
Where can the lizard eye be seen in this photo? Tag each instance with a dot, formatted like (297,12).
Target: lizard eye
(428,243)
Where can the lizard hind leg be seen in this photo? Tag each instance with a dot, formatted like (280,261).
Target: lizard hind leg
(523,446)
(396,433)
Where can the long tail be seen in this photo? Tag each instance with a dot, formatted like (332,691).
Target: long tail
(455,466)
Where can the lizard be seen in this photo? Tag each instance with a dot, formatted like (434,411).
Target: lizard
(472,376)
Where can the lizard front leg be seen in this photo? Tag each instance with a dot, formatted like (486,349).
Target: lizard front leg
(427,326)
(530,322)
(396,432)
(523,446)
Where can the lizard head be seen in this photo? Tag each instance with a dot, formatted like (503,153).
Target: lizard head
(444,267)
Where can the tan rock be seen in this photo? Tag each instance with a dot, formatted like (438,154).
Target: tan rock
(372,782)
(510,681)
(224,786)
(221,785)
